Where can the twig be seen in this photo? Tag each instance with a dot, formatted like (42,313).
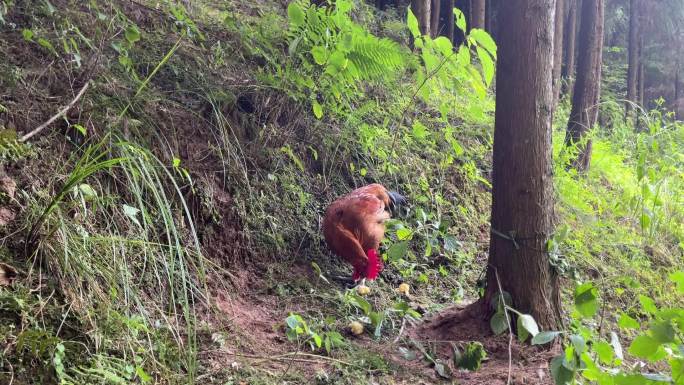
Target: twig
(401,330)
(57,115)
(510,331)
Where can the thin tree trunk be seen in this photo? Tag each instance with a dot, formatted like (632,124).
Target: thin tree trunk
(633,58)
(489,14)
(588,83)
(421,9)
(558,50)
(446,19)
(478,14)
(434,17)
(522,195)
(570,39)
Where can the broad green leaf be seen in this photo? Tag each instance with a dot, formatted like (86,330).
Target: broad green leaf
(604,351)
(662,331)
(361,303)
(498,323)
(561,375)
(677,374)
(419,131)
(648,304)
(484,40)
(81,130)
(544,337)
(132,213)
(318,340)
(578,343)
(586,300)
(644,346)
(460,20)
(627,322)
(412,23)
(451,243)
(132,34)
(526,322)
(404,234)
(317,109)
(487,65)
(319,54)
(678,278)
(444,45)
(295,14)
(87,191)
(472,356)
(397,251)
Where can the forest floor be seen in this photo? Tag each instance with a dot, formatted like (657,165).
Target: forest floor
(197,252)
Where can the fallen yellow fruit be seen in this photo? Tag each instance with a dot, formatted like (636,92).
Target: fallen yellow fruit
(403,288)
(356,328)
(363,290)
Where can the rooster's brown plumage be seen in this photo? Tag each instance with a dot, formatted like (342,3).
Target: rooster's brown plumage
(354,226)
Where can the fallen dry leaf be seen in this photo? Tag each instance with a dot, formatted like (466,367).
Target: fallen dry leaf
(7,274)
(6,216)
(8,186)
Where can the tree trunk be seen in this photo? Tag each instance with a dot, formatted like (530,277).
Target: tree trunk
(434,17)
(633,58)
(446,19)
(421,8)
(478,14)
(522,196)
(489,14)
(585,96)
(558,50)
(463,6)
(570,38)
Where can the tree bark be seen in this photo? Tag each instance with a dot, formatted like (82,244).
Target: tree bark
(446,19)
(421,9)
(568,72)
(558,50)
(585,96)
(633,58)
(478,14)
(435,9)
(522,196)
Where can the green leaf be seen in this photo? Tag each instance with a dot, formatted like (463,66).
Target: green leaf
(82,130)
(317,109)
(132,33)
(678,278)
(578,343)
(627,322)
(472,356)
(460,20)
(498,323)
(132,213)
(677,366)
(604,351)
(87,191)
(404,234)
(442,370)
(545,337)
(644,346)
(412,23)
(648,304)
(419,131)
(361,303)
(320,54)
(484,40)
(487,65)
(444,45)
(397,251)
(586,300)
(27,34)
(663,332)
(451,243)
(295,14)
(527,323)
(561,375)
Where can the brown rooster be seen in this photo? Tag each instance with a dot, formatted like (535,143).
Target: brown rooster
(354,225)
